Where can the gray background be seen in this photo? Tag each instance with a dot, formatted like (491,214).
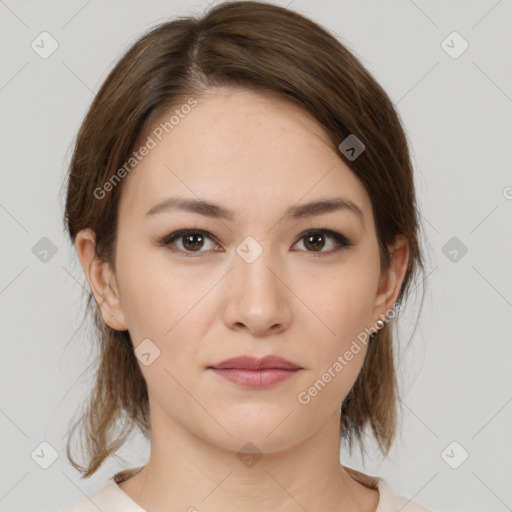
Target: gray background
(457,113)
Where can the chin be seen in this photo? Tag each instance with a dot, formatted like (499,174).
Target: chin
(264,436)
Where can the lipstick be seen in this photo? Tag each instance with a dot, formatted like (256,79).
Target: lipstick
(253,372)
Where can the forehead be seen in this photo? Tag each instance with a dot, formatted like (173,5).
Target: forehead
(241,149)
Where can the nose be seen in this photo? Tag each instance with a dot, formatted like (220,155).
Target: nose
(257,297)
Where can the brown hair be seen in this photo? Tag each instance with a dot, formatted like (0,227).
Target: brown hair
(266,49)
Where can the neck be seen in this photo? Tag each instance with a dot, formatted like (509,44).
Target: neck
(186,472)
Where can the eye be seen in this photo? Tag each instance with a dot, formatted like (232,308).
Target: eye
(315,239)
(193,240)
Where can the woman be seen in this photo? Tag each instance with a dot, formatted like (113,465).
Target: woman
(241,200)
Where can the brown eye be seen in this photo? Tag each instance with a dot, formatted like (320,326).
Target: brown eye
(315,241)
(191,241)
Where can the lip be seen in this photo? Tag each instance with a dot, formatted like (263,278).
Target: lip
(254,372)
(256,378)
(255,363)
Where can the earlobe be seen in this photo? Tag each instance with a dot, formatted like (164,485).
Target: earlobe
(392,278)
(101,280)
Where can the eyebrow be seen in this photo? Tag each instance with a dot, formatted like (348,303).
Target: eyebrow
(295,212)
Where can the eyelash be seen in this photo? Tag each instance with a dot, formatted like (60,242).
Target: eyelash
(341,241)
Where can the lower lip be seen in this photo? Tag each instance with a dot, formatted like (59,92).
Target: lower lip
(255,378)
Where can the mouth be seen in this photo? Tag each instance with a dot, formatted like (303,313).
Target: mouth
(246,362)
(256,378)
(252,372)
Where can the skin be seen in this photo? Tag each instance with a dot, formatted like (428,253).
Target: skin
(257,156)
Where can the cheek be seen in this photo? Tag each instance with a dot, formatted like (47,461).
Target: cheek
(148,295)
(346,307)
(339,355)
(163,304)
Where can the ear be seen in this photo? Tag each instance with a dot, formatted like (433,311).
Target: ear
(392,278)
(101,280)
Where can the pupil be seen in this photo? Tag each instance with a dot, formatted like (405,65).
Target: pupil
(312,237)
(189,237)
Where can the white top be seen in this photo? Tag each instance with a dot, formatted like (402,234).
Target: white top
(110,498)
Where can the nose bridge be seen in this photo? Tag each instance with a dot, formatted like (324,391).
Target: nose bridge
(258,298)
(256,263)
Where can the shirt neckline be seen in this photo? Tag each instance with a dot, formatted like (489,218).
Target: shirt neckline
(115,494)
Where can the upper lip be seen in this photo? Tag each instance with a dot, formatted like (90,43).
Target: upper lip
(255,363)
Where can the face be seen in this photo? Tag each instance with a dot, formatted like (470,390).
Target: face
(265,278)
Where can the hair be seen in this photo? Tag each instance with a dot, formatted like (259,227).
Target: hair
(273,51)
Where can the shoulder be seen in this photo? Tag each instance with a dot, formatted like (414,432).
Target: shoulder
(91,502)
(406,505)
(109,498)
(390,502)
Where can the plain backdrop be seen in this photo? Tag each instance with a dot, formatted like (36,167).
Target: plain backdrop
(454,95)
